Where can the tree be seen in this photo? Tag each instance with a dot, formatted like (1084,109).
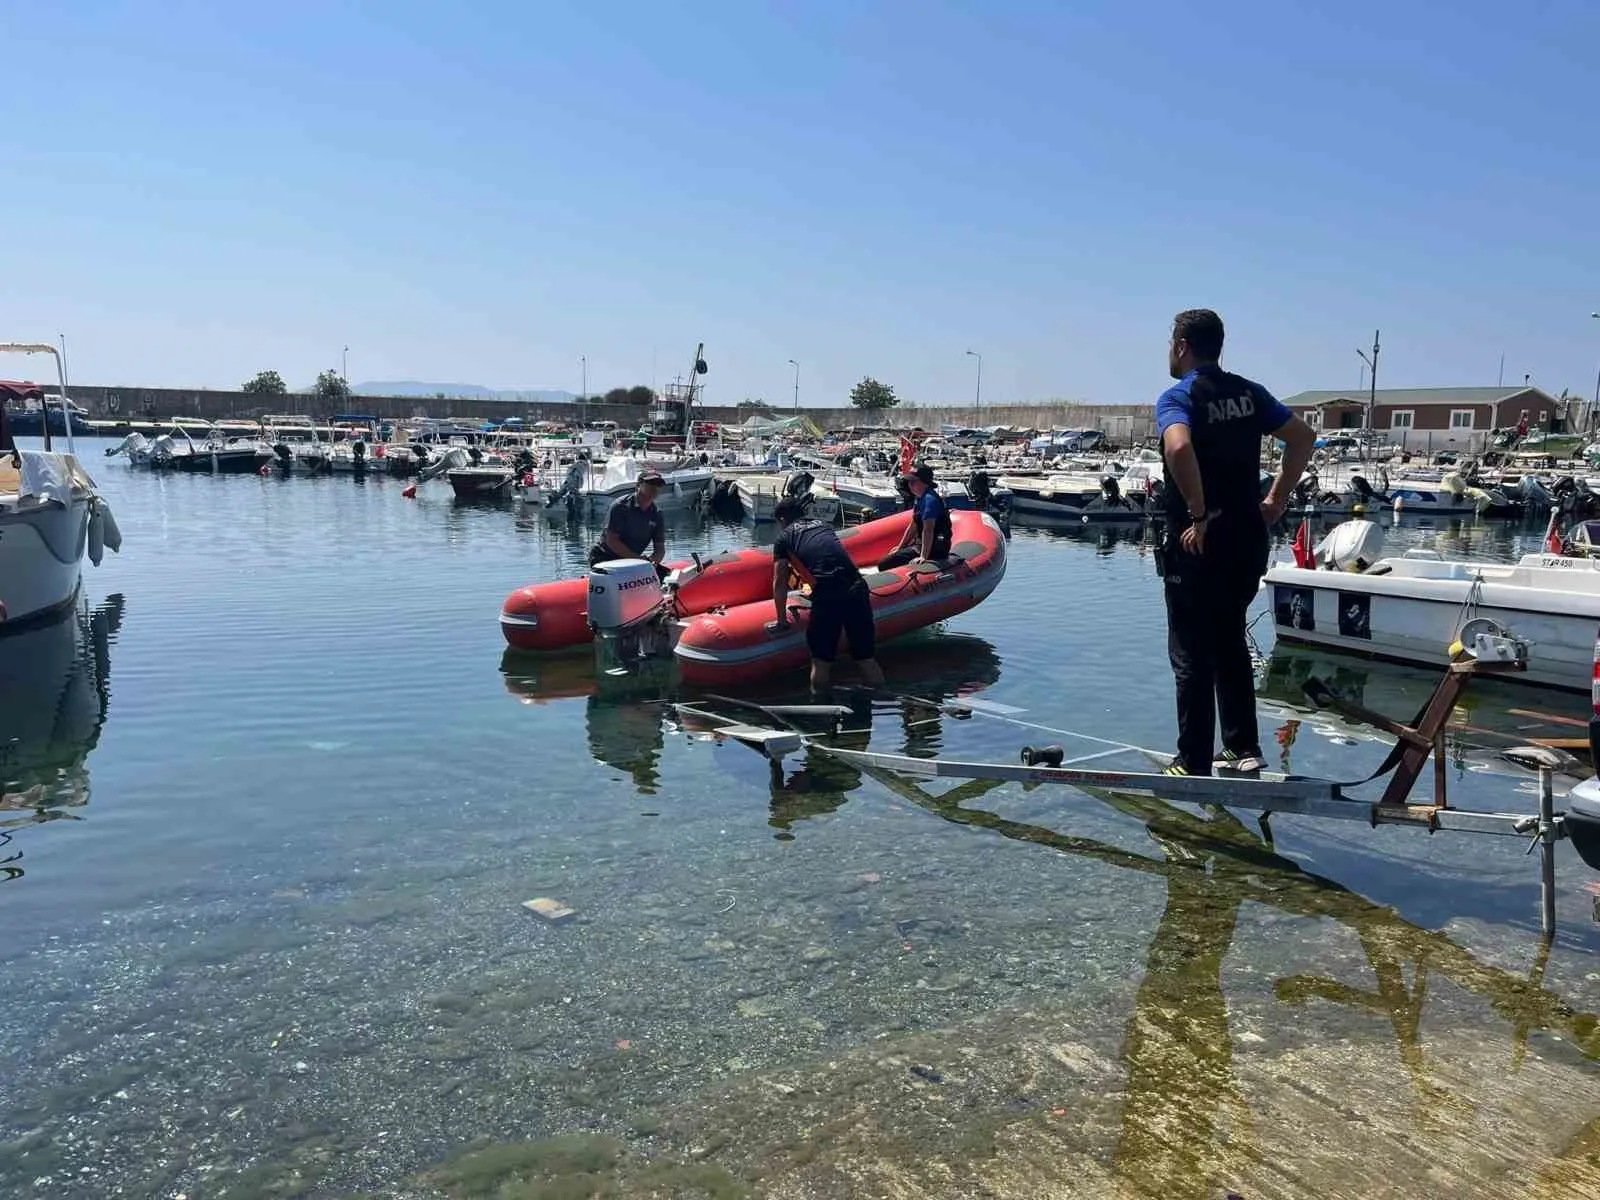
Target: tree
(331,386)
(641,395)
(615,396)
(759,407)
(266,383)
(869,393)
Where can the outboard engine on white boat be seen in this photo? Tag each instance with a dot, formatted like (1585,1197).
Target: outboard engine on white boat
(1110,491)
(1533,493)
(978,487)
(798,487)
(1351,546)
(284,453)
(626,603)
(1360,486)
(448,461)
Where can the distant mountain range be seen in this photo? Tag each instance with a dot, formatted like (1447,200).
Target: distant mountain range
(465,391)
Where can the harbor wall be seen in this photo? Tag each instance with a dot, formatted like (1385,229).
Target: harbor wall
(1124,422)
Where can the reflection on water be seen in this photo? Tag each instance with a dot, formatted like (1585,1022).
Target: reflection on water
(1491,716)
(54,692)
(1185,1124)
(1105,537)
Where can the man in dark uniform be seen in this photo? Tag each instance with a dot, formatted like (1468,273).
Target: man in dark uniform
(1217,537)
(928,535)
(840,599)
(634,523)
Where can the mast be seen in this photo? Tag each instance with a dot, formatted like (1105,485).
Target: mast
(696,369)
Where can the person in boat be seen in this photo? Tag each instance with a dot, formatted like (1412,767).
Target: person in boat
(634,524)
(840,599)
(928,535)
(1217,537)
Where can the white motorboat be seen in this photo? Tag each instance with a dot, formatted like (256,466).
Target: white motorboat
(861,495)
(50,515)
(759,496)
(1415,607)
(1079,497)
(295,442)
(685,485)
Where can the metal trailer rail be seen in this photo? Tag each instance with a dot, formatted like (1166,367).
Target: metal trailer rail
(1266,793)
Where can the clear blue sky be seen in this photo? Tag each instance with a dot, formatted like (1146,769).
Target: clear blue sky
(485,192)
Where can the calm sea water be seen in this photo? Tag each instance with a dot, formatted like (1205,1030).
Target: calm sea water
(270,940)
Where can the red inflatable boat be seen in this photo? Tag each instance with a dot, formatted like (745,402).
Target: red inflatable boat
(717,649)
(555,616)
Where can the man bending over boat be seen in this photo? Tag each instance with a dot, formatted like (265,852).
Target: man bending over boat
(1217,537)
(840,599)
(634,523)
(928,535)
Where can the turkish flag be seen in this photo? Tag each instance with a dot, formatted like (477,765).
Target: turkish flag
(1302,545)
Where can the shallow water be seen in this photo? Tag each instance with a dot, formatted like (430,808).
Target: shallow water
(272,943)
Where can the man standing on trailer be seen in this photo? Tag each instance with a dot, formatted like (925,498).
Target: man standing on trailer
(841,602)
(634,523)
(1217,537)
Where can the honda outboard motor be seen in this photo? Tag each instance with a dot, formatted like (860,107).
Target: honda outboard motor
(1110,490)
(1360,486)
(626,603)
(284,453)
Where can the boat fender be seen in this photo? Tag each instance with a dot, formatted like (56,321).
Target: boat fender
(410,491)
(113,533)
(97,535)
(1042,756)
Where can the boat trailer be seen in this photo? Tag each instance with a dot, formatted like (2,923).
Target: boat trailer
(782,734)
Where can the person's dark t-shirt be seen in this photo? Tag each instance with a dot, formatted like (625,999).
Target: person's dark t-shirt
(815,551)
(1227,416)
(930,506)
(636,527)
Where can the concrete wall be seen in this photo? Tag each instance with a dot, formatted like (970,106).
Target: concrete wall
(1124,422)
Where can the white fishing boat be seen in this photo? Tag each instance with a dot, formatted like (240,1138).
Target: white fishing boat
(50,516)
(1415,607)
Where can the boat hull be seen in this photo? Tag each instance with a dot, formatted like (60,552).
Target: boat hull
(220,462)
(1406,619)
(476,483)
(677,496)
(41,562)
(554,616)
(736,647)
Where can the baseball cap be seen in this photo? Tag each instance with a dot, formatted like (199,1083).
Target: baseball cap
(652,477)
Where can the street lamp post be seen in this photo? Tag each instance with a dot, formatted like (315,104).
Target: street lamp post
(344,368)
(796,367)
(978,396)
(583,398)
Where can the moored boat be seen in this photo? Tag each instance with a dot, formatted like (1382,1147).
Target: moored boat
(50,516)
(1415,607)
